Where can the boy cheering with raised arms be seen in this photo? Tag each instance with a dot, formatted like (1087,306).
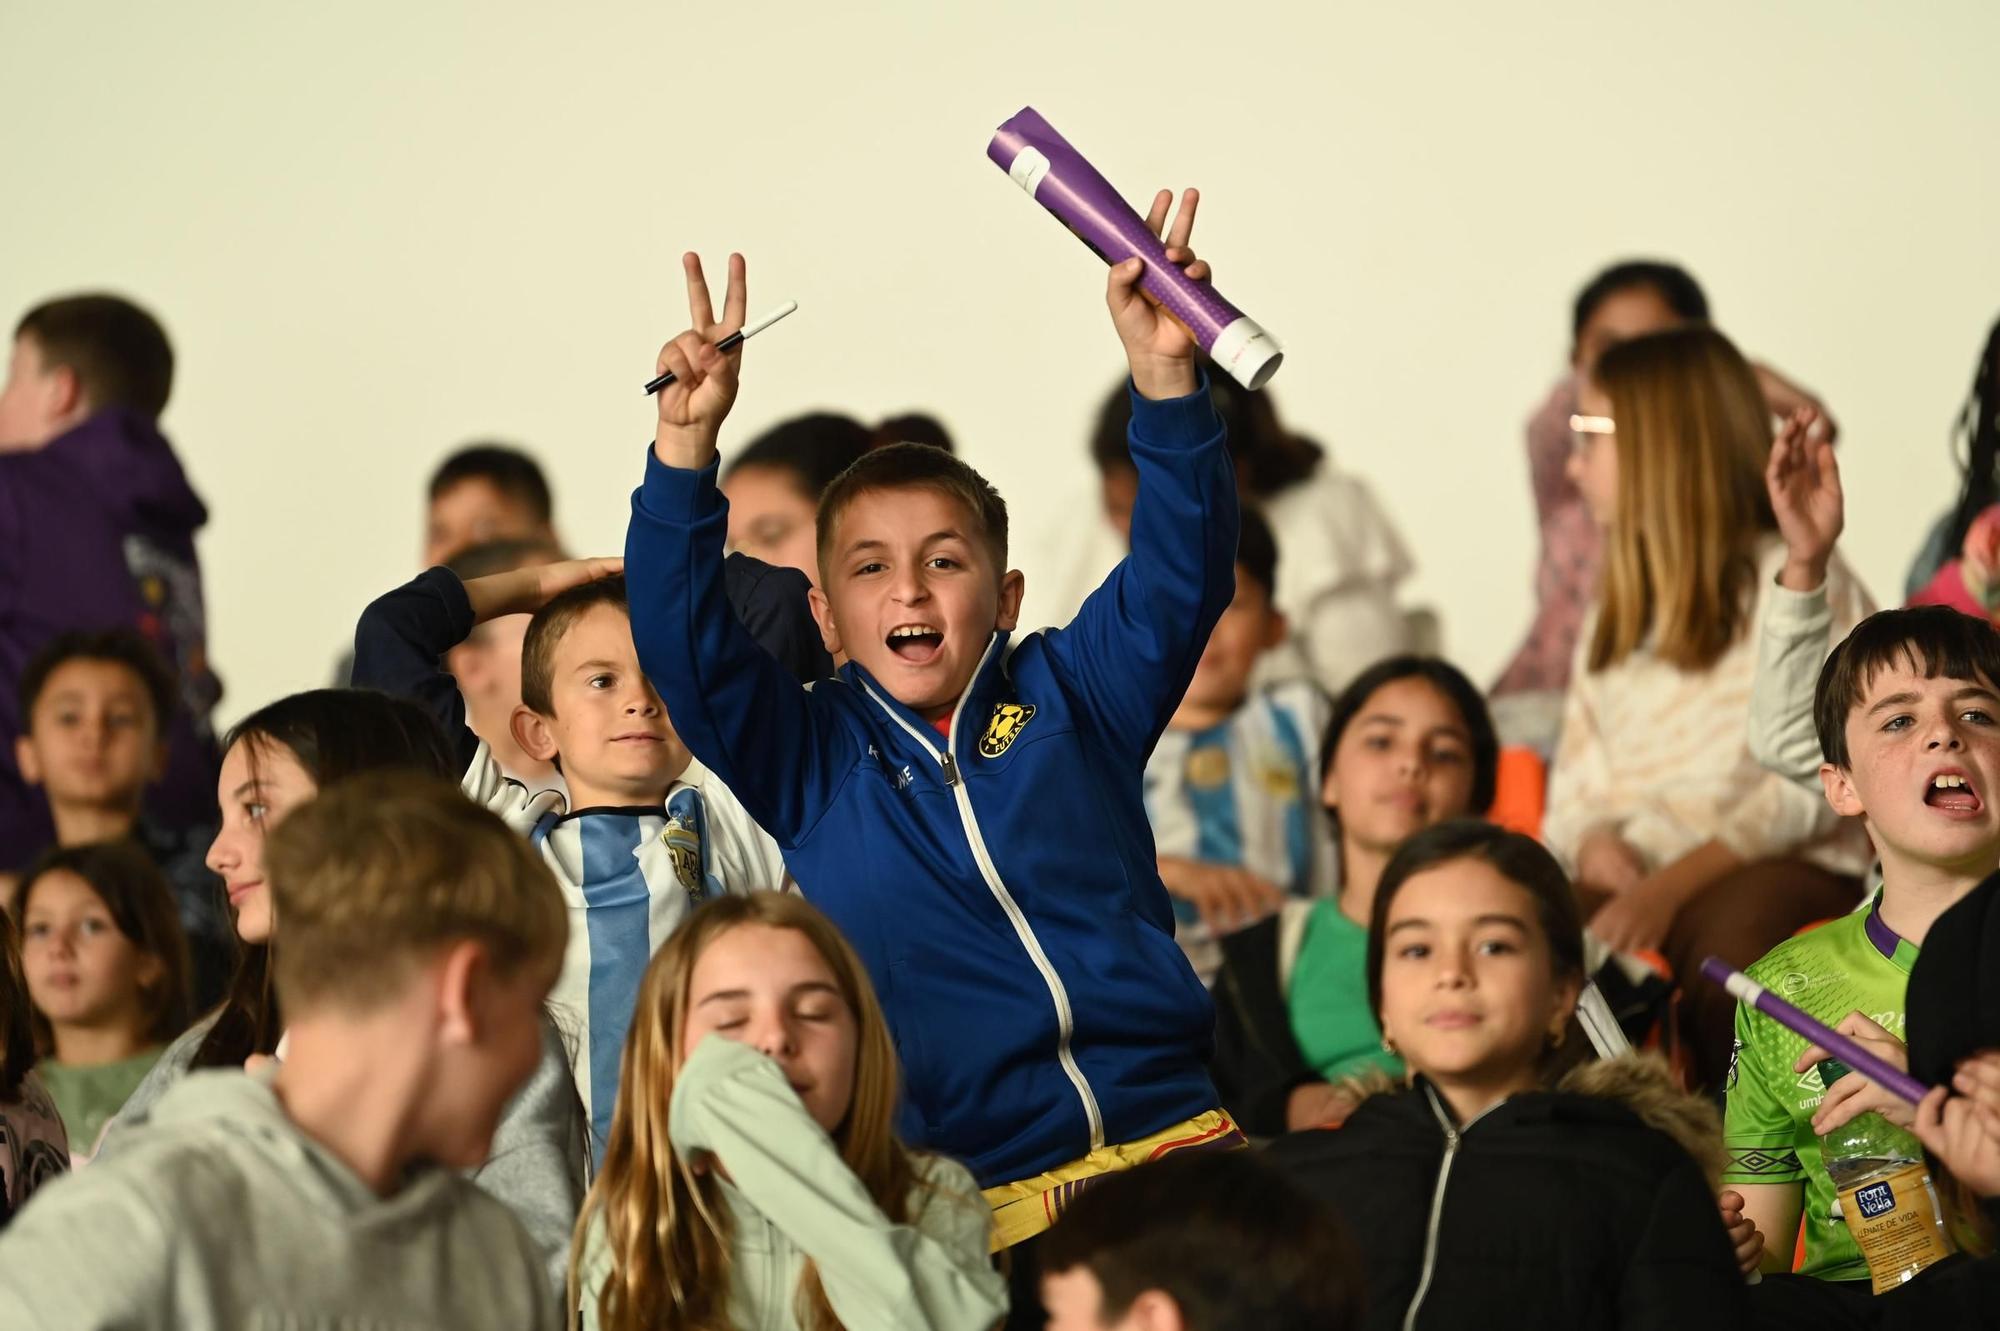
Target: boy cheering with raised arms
(968,808)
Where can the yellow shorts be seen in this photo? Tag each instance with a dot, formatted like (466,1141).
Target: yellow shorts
(1024,1209)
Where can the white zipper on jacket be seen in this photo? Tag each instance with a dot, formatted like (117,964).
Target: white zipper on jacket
(1453,1135)
(1065,1017)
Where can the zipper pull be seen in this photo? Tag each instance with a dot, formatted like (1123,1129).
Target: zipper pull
(950,766)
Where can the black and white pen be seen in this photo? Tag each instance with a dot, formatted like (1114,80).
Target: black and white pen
(733,341)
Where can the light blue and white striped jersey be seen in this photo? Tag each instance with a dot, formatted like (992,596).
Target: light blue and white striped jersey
(1245,793)
(630,876)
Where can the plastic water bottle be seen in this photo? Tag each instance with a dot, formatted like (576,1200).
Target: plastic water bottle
(1886,1194)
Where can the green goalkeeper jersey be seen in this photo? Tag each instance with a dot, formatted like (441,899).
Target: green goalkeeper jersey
(1855,964)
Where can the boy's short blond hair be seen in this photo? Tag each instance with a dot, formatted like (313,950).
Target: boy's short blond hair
(374,876)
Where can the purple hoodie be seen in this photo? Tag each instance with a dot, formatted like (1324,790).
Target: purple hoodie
(97,530)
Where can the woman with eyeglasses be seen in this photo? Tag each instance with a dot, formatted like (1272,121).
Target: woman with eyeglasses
(1681,844)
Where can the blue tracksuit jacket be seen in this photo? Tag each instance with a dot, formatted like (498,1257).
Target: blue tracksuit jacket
(1000,886)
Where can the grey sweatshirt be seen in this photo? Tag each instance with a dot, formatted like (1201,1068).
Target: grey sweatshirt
(221,1213)
(791,1197)
(540,1166)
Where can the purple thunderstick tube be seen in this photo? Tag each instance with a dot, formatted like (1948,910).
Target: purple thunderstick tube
(1886,1075)
(1056,176)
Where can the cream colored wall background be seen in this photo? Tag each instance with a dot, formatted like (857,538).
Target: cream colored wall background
(375,230)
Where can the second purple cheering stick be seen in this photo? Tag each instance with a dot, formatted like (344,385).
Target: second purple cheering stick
(1886,1075)
(1056,176)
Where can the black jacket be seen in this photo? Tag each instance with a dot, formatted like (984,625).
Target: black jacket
(1552,1210)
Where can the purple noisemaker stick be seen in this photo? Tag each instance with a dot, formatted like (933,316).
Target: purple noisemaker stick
(1056,176)
(1886,1075)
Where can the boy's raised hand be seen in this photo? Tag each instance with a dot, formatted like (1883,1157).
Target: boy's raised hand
(552,580)
(523,591)
(1158,346)
(1804,484)
(693,406)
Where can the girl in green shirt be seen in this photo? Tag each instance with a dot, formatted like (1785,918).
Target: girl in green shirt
(106,965)
(1409,745)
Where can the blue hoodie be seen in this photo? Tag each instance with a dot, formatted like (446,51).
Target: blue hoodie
(1000,886)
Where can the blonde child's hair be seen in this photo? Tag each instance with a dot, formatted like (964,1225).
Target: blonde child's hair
(1692,434)
(666,1229)
(374,876)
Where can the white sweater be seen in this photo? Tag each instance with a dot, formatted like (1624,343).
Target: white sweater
(1340,563)
(1661,756)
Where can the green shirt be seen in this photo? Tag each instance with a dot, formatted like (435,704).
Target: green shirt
(87,1097)
(1855,964)
(1328,998)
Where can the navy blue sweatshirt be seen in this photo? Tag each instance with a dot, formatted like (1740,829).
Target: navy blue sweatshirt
(1001,887)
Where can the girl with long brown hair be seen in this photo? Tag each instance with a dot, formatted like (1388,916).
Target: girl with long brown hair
(275,761)
(753,1176)
(1681,843)
(107,967)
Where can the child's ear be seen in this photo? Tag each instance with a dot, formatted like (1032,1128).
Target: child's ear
(461,973)
(1838,784)
(1013,587)
(822,612)
(1276,626)
(62,399)
(1568,990)
(533,733)
(26,759)
(150,971)
(69,399)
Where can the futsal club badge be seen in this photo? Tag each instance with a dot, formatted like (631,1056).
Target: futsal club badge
(1008,721)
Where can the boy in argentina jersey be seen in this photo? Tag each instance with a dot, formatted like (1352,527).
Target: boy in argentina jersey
(646,833)
(1908,718)
(1232,789)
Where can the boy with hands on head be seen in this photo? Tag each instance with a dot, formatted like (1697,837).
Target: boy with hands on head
(965,806)
(644,834)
